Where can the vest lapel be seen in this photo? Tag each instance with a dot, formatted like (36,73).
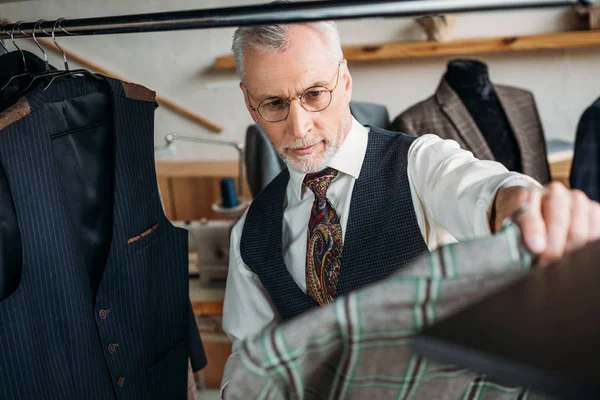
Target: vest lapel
(453,107)
(276,236)
(130,217)
(49,191)
(262,250)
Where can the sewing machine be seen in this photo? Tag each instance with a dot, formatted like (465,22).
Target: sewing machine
(209,251)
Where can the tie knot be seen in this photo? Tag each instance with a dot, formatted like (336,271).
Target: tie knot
(319,182)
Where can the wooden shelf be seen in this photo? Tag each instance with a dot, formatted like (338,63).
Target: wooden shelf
(398,50)
(197,169)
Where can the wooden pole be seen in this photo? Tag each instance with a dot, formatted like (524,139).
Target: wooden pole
(163,101)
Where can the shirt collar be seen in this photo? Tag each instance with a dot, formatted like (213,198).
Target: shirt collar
(348,159)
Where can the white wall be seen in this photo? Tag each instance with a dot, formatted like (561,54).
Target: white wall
(177,64)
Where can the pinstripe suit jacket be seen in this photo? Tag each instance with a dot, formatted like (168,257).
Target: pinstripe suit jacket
(445,115)
(58,340)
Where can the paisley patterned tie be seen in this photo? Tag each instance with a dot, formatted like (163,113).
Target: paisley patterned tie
(324,246)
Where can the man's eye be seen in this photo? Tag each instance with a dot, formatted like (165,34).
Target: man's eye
(273,103)
(312,94)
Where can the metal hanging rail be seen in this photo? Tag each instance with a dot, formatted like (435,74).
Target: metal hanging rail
(271,13)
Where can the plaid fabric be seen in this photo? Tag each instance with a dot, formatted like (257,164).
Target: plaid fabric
(192,389)
(359,346)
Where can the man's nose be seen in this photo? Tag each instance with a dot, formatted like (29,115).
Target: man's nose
(300,120)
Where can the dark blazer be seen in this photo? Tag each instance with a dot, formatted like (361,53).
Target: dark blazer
(262,162)
(11,65)
(585,172)
(445,115)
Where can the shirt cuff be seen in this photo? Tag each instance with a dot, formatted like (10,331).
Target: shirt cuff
(223,386)
(485,200)
(521,180)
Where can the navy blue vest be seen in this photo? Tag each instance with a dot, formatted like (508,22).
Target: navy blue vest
(58,340)
(382,234)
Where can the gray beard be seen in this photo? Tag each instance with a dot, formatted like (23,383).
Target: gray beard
(310,164)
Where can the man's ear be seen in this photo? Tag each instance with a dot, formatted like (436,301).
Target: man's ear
(247,101)
(347,79)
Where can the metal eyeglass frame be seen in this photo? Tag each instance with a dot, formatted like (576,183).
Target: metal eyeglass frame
(288,102)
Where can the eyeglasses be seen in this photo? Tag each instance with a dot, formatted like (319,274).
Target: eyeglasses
(313,99)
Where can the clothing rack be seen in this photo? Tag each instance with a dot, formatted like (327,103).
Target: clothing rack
(268,13)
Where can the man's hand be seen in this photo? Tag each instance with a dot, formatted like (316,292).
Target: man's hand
(553,221)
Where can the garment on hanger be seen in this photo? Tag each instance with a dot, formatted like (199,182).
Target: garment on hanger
(585,171)
(101,309)
(495,122)
(68,146)
(79,129)
(359,346)
(11,64)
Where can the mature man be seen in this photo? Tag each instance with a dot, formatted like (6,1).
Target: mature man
(357,203)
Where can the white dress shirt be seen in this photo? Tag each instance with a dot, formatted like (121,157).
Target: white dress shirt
(451,192)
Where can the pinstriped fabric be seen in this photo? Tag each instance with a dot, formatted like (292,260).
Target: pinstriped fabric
(54,344)
(160,321)
(382,231)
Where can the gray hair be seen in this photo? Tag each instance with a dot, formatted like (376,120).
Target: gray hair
(274,38)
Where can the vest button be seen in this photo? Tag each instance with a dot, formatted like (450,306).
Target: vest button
(121,381)
(103,314)
(112,347)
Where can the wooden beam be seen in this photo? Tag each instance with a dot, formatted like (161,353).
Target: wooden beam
(224,62)
(161,100)
(400,50)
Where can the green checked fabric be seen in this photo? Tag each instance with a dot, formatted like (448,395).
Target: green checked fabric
(358,347)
